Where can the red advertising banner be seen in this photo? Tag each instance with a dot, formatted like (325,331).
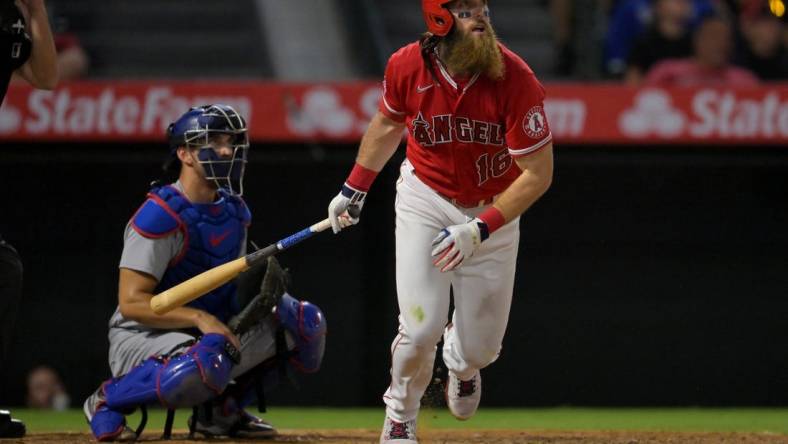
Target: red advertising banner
(339,112)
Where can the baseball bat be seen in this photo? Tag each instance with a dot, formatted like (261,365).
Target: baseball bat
(212,279)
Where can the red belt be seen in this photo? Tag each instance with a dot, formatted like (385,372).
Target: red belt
(457,202)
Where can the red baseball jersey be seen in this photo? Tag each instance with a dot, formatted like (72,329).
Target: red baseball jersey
(462,136)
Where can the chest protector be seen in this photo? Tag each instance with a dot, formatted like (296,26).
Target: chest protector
(212,235)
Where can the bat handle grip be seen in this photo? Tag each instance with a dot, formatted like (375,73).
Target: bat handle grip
(295,238)
(261,255)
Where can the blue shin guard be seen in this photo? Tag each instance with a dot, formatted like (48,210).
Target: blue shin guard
(307,325)
(192,378)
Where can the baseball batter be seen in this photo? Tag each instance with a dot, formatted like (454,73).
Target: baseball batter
(479,154)
(189,356)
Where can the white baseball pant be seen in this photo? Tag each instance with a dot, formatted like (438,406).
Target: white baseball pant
(482,295)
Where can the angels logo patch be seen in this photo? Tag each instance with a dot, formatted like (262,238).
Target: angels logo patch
(535,123)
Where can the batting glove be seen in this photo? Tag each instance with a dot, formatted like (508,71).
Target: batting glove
(456,243)
(338,208)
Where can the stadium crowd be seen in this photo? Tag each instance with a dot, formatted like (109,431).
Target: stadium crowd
(672,42)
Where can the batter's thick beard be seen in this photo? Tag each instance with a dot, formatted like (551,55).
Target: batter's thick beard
(466,54)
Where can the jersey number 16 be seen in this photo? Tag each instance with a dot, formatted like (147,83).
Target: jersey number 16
(493,166)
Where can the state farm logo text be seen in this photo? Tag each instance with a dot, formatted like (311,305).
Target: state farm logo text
(60,112)
(723,114)
(712,114)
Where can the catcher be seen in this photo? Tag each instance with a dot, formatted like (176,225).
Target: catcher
(210,353)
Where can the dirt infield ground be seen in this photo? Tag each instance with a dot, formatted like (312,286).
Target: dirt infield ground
(359,436)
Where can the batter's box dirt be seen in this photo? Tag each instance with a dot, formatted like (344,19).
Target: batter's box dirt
(359,436)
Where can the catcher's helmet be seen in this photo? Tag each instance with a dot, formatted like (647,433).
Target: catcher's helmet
(439,19)
(15,44)
(197,129)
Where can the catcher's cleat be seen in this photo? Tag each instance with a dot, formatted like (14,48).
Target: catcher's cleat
(463,397)
(106,424)
(272,288)
(395,432)
(239,424)
(10,427)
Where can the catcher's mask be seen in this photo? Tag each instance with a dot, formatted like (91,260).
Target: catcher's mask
(200,128)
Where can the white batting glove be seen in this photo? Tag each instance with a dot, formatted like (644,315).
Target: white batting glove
(456,243)
(338,208)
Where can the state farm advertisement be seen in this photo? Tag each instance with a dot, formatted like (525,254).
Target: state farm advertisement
(339,112)
(141,112)
(616,114)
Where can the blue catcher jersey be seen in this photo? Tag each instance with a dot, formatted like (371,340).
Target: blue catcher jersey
(213,235)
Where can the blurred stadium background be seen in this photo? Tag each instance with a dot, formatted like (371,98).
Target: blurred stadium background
(653,273)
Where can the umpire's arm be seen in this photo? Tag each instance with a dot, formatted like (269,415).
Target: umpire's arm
(534,180)
(40,70)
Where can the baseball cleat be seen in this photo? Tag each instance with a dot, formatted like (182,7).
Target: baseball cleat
(106,424)
(463,397)
(237,425)
(10,427)
(395,432)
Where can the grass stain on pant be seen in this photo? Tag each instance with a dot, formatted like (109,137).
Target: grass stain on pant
(418,313)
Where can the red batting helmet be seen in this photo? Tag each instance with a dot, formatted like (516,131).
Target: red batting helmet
(439,19)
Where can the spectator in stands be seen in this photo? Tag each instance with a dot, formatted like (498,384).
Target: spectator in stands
(561,12)
(710,64)
(45,390)
(578,32)
(72,60)
(668,37)
(632,18)
(763,50)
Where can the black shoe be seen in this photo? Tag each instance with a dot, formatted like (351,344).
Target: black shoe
(252,427)
(237,425)
(9,427)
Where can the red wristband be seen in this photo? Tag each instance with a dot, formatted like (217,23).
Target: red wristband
(493,218)
(361,178)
